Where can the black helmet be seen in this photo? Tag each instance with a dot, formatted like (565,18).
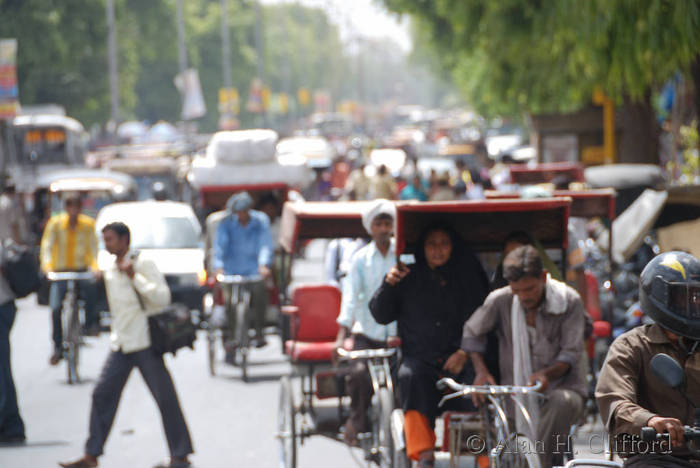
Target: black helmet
(669,293)
(159,191)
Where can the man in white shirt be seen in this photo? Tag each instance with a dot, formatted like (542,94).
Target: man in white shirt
(370,265)
(135,289)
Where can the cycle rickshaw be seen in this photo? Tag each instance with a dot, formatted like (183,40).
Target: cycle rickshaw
(319,407)
(484,226)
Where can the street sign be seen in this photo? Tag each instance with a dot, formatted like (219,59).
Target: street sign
(9,93)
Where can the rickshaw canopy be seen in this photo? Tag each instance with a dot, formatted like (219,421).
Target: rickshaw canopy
(584,203)
(320,220)
(485,224)
(525,174)
(87,180)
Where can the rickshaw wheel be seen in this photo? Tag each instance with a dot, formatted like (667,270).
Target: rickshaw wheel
(211,348)
(286,425)
(399,457)
(384,439)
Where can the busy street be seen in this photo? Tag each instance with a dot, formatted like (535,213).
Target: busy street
(367,233)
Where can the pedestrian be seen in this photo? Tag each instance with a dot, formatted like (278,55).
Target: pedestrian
(629,394)
(382,185)
(12,219)
(11,424)
(443,191)
(358,183)
(135,288)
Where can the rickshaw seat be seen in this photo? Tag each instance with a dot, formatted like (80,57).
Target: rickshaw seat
(310,352)
(313,327)
(592,297)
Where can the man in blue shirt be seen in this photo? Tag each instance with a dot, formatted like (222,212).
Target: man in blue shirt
(243,246)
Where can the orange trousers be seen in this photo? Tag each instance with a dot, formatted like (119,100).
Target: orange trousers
(420,436)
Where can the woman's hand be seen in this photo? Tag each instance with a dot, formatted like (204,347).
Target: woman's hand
(455,363)
(396,274)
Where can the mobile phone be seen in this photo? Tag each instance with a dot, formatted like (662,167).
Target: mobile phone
(407,259)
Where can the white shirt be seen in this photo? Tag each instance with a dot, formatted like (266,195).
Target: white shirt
(369,267)
(129,320)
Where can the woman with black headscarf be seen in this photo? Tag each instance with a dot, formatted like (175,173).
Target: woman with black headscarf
(431,301)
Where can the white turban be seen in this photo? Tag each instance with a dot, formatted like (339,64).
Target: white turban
(378,207)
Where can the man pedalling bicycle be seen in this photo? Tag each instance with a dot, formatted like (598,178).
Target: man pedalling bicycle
(243,246)
(69,243)
(540,327)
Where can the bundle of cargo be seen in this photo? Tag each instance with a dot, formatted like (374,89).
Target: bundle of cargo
(246,157)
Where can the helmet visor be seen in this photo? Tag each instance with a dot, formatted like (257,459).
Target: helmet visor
(684,298)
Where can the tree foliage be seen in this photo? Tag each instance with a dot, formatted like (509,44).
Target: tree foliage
(513,56)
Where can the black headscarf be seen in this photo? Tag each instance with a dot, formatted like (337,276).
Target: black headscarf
(463,276)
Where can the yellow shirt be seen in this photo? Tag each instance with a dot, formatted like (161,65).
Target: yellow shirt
(64,248)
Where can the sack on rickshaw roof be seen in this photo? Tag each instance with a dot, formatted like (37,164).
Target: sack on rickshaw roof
(243,146)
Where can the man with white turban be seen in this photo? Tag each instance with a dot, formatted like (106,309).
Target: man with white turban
(369,266)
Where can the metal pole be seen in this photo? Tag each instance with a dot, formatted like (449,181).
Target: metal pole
(225,45)
(182,52)
(259,50)
(112,59)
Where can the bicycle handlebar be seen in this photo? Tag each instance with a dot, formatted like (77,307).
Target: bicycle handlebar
(238,279)
(462,390)
(69,275)
(649,434)
(366,353)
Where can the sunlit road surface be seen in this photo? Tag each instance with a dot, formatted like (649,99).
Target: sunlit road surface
(233,424)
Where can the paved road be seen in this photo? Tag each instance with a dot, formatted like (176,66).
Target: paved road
(232,423)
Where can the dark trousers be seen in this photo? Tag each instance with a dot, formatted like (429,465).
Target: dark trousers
(418,391)
(360,385)
(11,424)
(105,399)
(86,290)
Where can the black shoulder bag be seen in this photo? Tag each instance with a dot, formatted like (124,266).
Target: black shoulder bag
(171,328)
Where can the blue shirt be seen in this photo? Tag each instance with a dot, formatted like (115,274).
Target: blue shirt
(239,250)
(368,270)
(410,192)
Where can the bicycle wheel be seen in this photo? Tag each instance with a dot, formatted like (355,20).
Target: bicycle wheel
(72,340)
(286,425)
(399,457)
(243,339)
(385,442)
(520,452)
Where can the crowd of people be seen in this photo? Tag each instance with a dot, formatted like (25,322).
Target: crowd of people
(356,180)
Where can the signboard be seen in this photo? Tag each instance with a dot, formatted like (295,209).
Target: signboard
(190,89)
(9,93)
(229,106)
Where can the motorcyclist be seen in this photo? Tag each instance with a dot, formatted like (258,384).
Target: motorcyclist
(628,394)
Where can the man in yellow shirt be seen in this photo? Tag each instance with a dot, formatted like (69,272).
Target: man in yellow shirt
(69,243)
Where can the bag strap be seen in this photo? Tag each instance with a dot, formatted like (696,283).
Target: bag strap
(134,257)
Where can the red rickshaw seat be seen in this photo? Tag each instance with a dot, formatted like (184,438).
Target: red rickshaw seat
(300,351)
(592,295)
(313,325)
